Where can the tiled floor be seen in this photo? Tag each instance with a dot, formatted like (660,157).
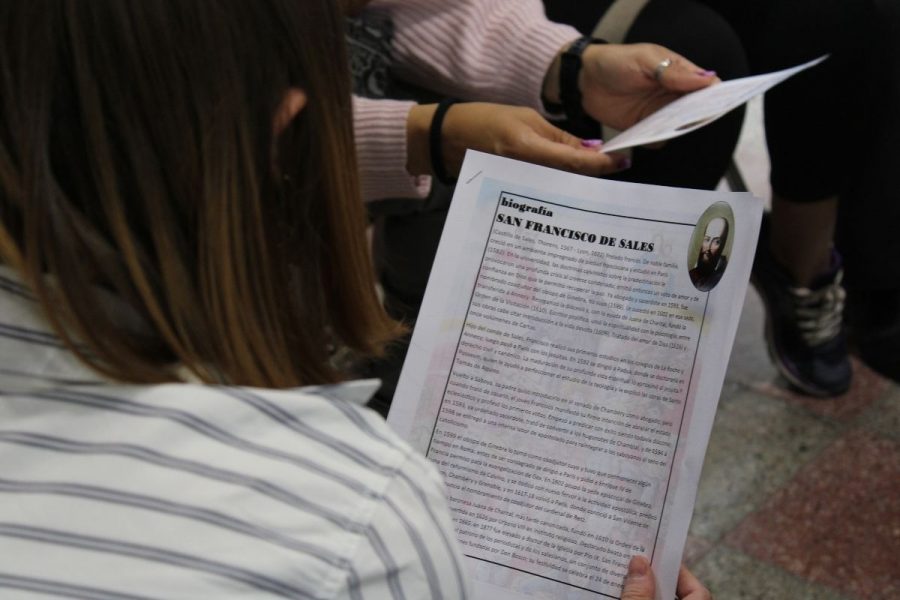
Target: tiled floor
(800,498)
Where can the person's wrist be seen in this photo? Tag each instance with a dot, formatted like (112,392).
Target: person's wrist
(443,163)
(572,79)
(550,89)
(590,65)
(418,127)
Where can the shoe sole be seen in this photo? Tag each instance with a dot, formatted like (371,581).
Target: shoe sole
(783,370)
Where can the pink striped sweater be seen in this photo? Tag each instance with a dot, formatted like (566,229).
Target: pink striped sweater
(488,50)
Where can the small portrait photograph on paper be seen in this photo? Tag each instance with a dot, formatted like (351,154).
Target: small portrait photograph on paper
(710,246)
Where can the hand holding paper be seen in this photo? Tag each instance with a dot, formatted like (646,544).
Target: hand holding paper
(700,108)
(520,133)
(510,131)
(640,584)
(620,84)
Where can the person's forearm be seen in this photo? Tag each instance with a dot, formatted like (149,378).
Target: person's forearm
(492,50)
(381,131)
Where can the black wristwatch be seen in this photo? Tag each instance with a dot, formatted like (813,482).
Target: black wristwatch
(569,93)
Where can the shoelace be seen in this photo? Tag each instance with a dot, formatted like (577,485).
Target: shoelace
(819,313)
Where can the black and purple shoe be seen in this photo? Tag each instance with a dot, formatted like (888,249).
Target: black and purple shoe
(804,326)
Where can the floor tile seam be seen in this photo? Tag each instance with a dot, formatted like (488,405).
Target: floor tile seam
(769,500)
(753,385)
(876,399)
(842,594)
(834,423)
(875,433)
(803,468)
(769,503)
(837,423)
(868,419)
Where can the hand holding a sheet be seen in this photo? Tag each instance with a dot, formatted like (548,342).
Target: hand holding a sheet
(510,131)
(623,83)
(640,585)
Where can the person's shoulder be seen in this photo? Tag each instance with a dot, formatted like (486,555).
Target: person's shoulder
(331,420)
(244,488)
(409,540)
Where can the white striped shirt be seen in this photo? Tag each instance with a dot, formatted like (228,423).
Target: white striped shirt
(192,491)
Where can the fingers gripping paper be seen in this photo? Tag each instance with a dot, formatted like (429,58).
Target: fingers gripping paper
(700,108)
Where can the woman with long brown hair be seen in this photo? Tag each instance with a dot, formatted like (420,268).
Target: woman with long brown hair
(179,208)
(181,252)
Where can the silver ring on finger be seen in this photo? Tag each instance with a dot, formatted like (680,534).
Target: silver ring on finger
(662,66)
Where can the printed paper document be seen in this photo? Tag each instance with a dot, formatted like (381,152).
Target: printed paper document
(565,370)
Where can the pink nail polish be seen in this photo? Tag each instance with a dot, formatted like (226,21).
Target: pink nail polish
(591,143)
(705,73)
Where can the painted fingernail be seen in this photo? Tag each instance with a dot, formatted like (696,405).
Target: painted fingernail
(623,163)
(705,73)
(591,143)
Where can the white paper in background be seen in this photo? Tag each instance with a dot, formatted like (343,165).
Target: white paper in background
(700,108)
(566,383)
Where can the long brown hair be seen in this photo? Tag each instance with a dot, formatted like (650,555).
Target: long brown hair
(138,161)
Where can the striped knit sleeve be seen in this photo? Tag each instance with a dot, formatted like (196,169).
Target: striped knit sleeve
(491,50)
(380,134)
(410,550)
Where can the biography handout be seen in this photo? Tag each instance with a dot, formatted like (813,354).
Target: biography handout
(565,369)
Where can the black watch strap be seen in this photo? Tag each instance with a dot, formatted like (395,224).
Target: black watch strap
(569,93)
(436,142)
